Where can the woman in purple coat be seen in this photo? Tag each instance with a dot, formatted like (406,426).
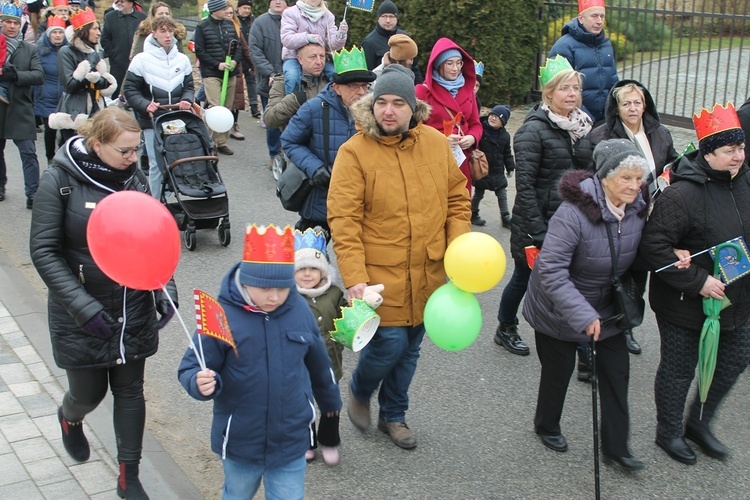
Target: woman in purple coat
(570,292)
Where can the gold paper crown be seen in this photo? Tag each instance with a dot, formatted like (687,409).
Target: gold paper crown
(345,60)
(269,245)
(717,120)
(356,326)
(587,4)
(82,18)
(552,67)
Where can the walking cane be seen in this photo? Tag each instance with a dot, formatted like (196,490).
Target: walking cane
(594,409)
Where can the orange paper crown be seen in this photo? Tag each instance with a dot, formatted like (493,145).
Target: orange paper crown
(717,120)
(269,245)
(587,4)
(82,18)
(55,22)
(59,3)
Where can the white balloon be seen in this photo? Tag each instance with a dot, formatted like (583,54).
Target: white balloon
(219,119)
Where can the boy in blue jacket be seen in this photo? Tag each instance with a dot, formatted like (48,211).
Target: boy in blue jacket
(263,394)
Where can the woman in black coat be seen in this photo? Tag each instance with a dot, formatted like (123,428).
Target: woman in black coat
(554,138)
(101,332)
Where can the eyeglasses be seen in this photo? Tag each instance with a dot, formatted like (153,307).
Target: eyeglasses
(635,104)
(127,153)
(568,88)
(359,86)
(454,64)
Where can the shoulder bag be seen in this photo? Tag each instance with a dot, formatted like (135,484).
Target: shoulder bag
(628,300)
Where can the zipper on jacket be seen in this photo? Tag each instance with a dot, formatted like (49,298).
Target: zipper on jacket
(81,277)
(124,322)
(226,439)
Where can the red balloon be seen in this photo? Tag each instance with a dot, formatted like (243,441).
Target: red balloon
(134,240)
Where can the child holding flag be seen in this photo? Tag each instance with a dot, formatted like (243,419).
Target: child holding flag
(263,392)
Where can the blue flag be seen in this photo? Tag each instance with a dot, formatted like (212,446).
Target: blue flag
(362,4)
(732,264)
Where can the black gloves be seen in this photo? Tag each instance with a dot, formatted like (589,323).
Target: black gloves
(99,326)
(9,74)
(322,177)
(538,239)
(165,310)
(301,97)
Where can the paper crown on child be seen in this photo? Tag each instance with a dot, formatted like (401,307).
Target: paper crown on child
(55,22)
(350,66)
(268,257)
(356,326)
(717,128)
(310,250)
(82,18)
(587,4)
(552,67)
(479,70)
(12,11)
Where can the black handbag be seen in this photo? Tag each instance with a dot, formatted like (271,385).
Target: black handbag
(628,300)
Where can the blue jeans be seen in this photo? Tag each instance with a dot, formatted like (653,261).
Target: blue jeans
(242,480)
(391,358)
(273,135)
(513,293)
(293,74)
(29,163)
(154,174)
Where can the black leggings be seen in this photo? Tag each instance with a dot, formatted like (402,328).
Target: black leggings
(88,388)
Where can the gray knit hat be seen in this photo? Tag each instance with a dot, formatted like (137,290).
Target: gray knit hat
(216,5)
(608,155)
(396,80)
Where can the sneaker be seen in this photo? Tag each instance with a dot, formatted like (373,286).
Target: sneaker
(400,433)
(255,113)
(262,123)
(359,413)
(236,134)
(330,454)
(73,438)
(507,336)
(476,220)
(225,150)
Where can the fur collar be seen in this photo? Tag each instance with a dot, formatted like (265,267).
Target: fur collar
(76,42)
(362,113)
(576,191)
(144,29)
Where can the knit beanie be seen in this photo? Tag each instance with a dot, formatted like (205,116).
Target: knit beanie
(713,142)
(310,257)
(444,56)
(502,112)
(268,259)
(216,5)
(402,48)
(240,3)
(396,80)
(387,7)
(608,155)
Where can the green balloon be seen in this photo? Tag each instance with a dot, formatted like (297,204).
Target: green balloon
(452,318)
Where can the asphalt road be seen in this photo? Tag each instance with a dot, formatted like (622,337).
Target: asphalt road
(472,411)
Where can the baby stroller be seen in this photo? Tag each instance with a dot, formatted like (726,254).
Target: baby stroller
(190,170)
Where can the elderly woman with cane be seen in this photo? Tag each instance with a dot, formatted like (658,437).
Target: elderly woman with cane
(570,294)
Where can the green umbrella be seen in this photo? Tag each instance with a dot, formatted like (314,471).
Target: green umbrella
(709,341)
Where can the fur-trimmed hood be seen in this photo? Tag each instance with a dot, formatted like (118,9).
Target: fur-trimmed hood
(584,190)
(144,29)
(365,120)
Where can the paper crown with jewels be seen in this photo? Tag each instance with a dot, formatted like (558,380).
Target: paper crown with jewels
(350,67)
(718,127)
(82,18)
(11,10)
(268,257)
(552,67)
(55,22)
(356,326)
(313,238)
(587,4)
(479,68)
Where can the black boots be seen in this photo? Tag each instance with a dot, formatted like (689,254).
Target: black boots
(507,336)
(584,364)
(128,484)
(73,439)
(506,220)
(633,346)
(477,220)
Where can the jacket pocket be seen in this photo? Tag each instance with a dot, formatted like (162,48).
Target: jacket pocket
(388,265)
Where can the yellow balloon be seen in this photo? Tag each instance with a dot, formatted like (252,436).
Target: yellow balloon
(475,262)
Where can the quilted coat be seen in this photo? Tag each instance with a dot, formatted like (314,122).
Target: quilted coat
(48,94)
(544,152)
(395,204)
(701,208)
(571,283)
(295,27)
(214,40)
(495,144)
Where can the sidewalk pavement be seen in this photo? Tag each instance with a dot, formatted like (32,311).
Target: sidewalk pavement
(33,461)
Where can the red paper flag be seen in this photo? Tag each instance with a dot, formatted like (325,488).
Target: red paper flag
(211,318)
(449,125)
(532,253)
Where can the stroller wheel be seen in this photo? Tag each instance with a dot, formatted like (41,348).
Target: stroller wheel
(190,240)
(277,166)
(225,235)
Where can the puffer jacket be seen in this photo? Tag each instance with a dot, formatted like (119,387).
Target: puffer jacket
(78,288)
(282,106)
(213,41)
(495,144)
(544,152)
(265,49)
(304,144)
(74,62)
(157,75)
(395,204)
(571,283)
(701,208)
(593,56)
(47,95)
(659,137)
(295,26)
(263,402)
